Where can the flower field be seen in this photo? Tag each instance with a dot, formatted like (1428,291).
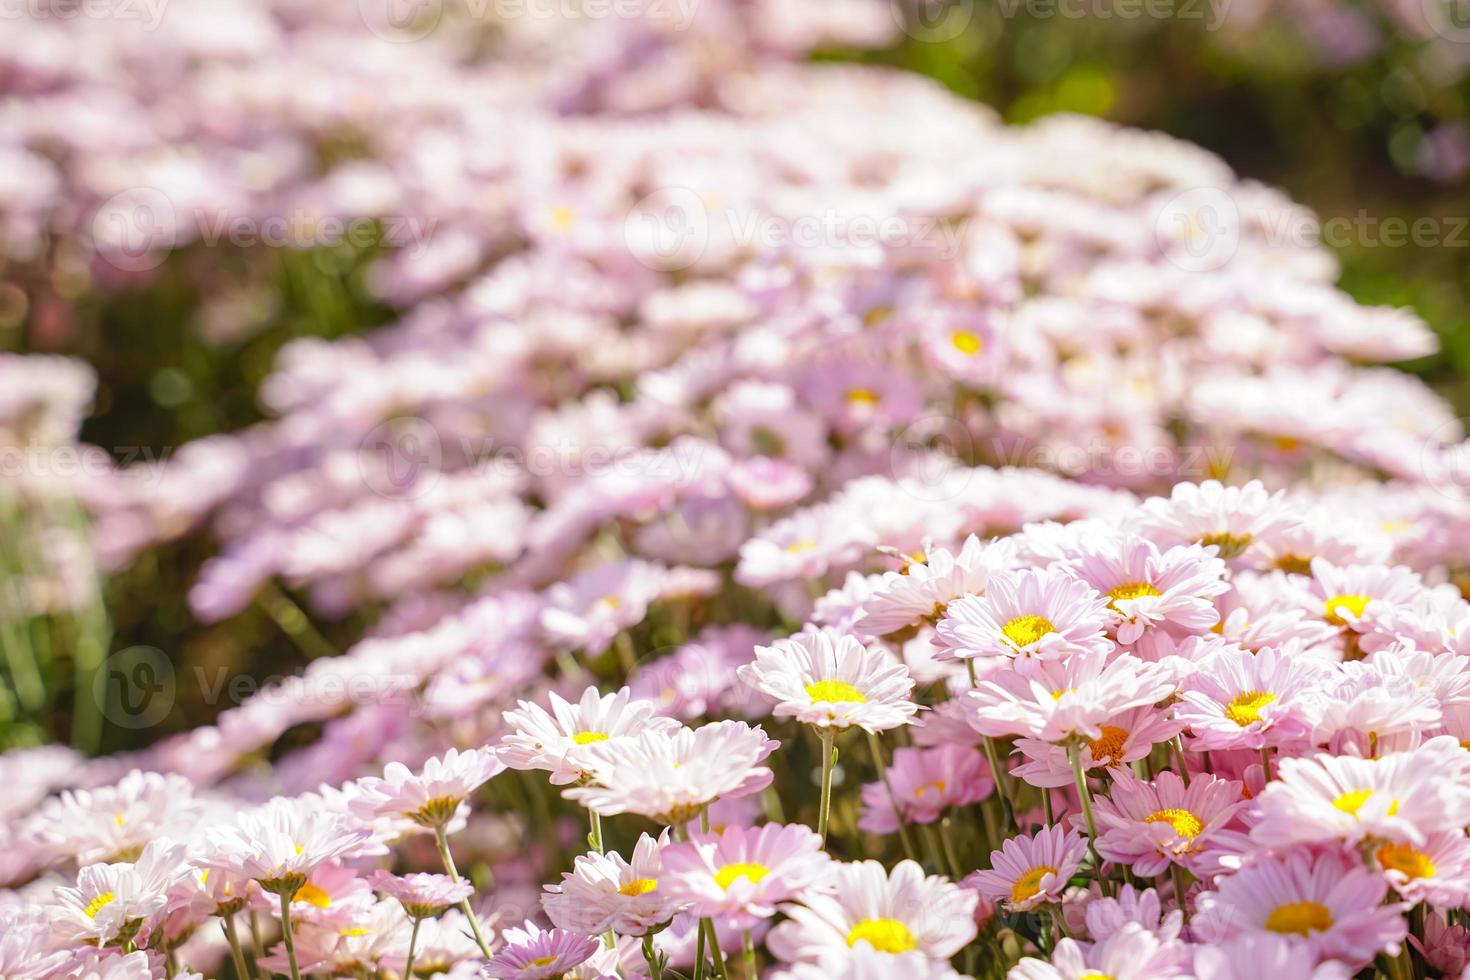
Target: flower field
(677,489)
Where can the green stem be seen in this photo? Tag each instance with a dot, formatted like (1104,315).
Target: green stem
(655,963)
(465,905)
(595,838)
(878,763)
(1177,745)
(286,931)
(294,622)
(1074,753)
(1177,871)
(413,941)
(950,856)
(829,757)
(1002,785)
(716,955)
(748,945)
(233,937)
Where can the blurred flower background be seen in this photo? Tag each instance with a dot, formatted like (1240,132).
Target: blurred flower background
(374,373)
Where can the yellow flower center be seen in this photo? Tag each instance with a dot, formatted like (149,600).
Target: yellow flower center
(1129,590)
(1299,918)
(1228,545)
(639,886)
(884,935)
(1029,883)
(98,904)
(862,396)
(1108,749)
(1352,801)
(732,873)
(1246,706)
(877,315)
(1096,976)
(797,547)
(1405,860)
(587,738)
(831,690)
(351,931)
(938,786)
(1026,630)
(966,342)
(312,895)
(563,218)
(543,961)
(1353,605)
(1185,824)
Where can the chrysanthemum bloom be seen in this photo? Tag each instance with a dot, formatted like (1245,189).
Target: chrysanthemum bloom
(1342,595)
(604,892)
(1031,869)
(280,844)
(1152,825)
(1232,519)
(1106,916)
(893,913)
(112,903)
(558,741)
(1132,953)
(740,875)
(113,823)
(432,798)
(1445,947)
(380,931)
(1056,699)
(1360,708)
(863,962)
(332,897)
(589,611)
(924,589)
(1404,797)
(1436,871)
(1147,589)
(1034,613)
(1124,739)
(671,776)
(925,783)
(421,895)
(1264,954)
(1327,899)
(1238,700)
(530,953)
(832,680)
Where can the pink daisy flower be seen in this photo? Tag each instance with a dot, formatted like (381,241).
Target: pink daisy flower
(605,892)
(1263,954)
(1242,700)
(740,875)
(280,844)
(1148,589)
(925,782)
(1231,519)
(558,741)
(1342,595)
(672,776)
(588,611)
(531,953)
(892,912)
(1034,613)
(1106,916)
(1031,869)
(926,587)
(1132,953)
(110,902)
(1403,797)
(1327,899)
(432,798)
(421,895)
(1122,739)
(1152,825)
(831,680)
(1436,871)
(1056,699)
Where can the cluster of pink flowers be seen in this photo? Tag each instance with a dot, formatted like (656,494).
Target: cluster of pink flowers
(810,529)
